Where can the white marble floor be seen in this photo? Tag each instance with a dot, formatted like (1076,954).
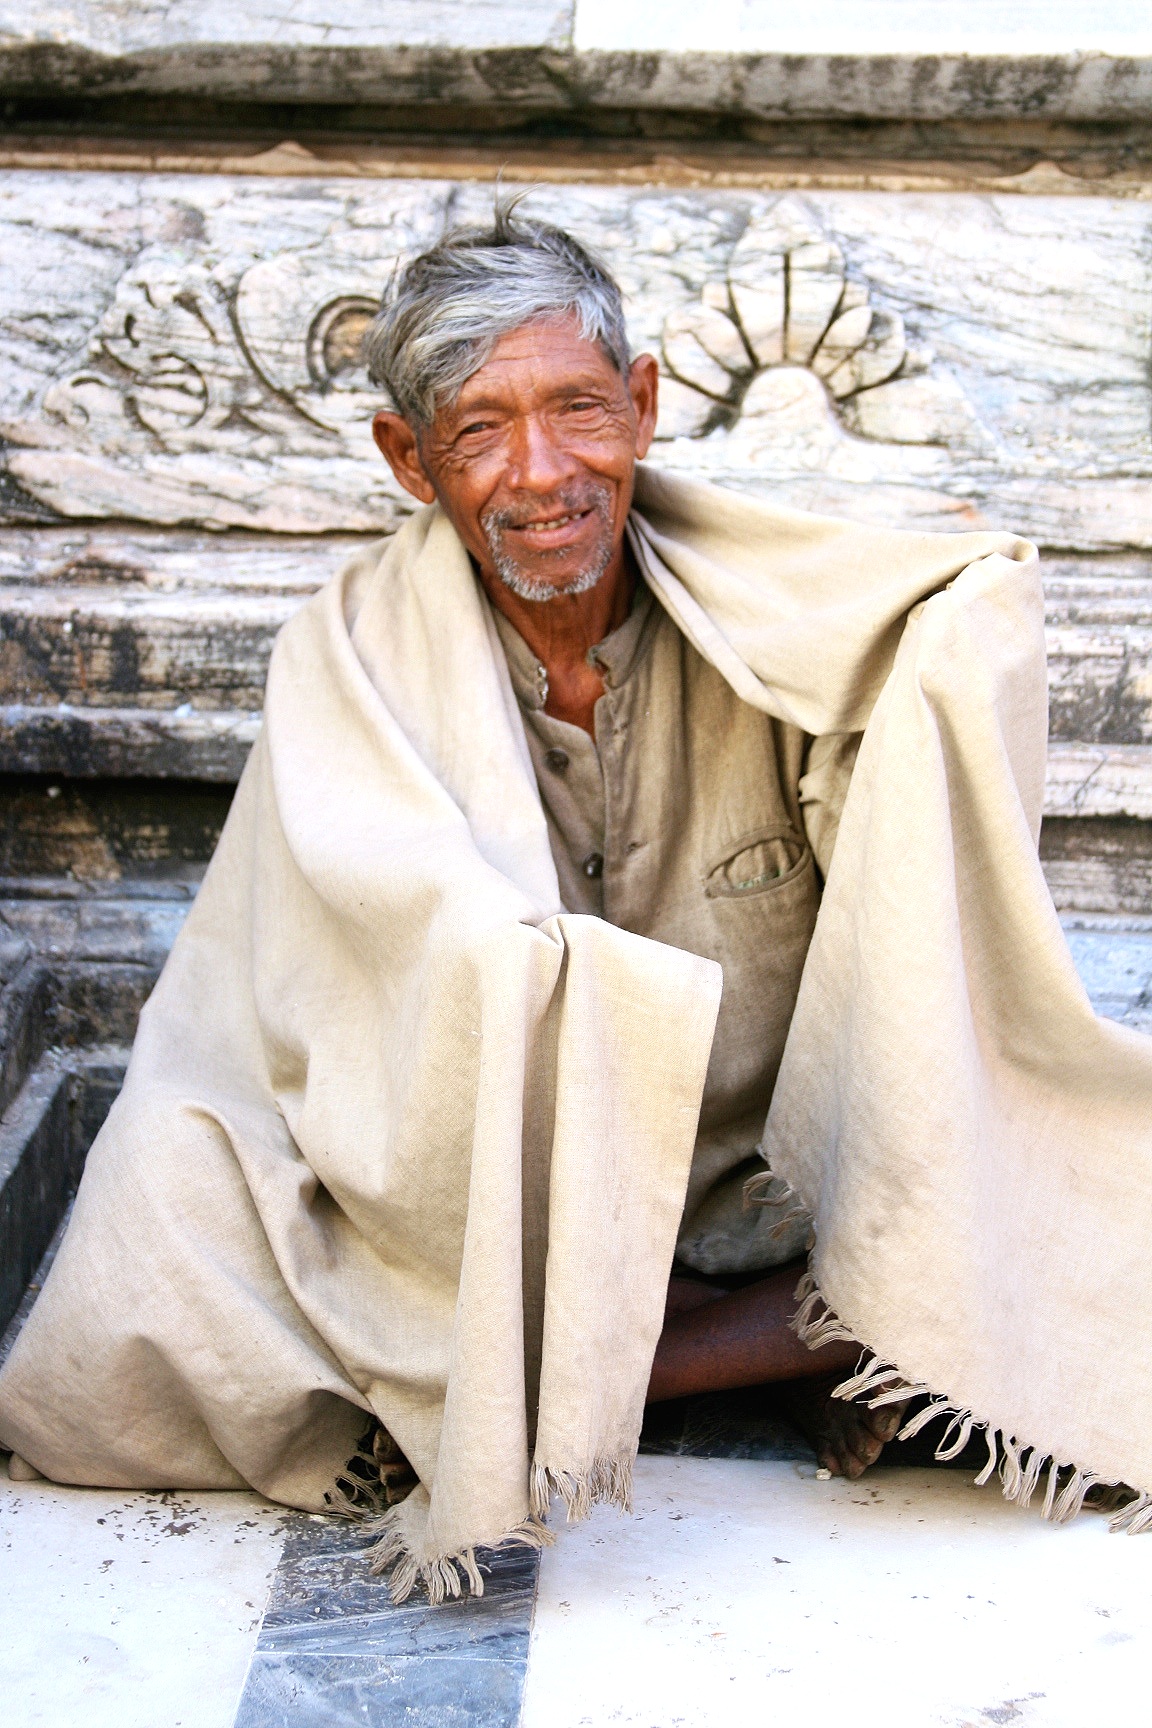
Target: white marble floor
(752,1593)
(122,1610)
(739,1594)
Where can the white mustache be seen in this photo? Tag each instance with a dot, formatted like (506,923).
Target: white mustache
(567,505)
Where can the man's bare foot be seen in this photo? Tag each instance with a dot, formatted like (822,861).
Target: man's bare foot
(847,1437)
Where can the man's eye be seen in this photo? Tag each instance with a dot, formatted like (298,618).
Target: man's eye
(582,405)
(473,427)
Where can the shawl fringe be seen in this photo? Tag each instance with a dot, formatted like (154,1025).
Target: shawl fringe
(442,1575)
(362,1493)
(608,1482)
(357,1497)
(1020,1465)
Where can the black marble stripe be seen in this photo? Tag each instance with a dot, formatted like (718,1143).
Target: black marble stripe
(335,1650)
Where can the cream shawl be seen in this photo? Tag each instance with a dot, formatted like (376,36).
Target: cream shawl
(401,1136)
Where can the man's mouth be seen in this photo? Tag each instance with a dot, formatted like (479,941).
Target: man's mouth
(569,531)
(545,524)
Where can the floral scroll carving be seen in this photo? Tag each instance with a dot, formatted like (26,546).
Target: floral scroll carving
(230,391)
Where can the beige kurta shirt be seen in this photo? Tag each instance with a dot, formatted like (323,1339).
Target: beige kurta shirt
(697,820)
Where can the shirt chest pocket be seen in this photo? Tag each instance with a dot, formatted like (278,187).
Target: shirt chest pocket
(761,897)
(758,864)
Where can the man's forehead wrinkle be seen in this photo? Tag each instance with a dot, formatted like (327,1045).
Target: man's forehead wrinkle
(539,385)
(551,344)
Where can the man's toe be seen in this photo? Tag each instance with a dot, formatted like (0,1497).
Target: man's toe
(885,1422)
(849,1449)
(867,1448)
(853,1469)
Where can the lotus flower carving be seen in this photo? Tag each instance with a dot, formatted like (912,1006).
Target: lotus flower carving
(788,332)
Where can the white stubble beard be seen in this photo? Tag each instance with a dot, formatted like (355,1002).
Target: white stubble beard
(534,588)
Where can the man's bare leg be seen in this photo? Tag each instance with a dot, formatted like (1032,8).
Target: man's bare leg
(715,1340)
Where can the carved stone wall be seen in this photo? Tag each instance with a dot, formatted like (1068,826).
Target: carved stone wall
(185,349)
(186,451)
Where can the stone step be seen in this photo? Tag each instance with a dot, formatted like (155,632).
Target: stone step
(1084,779)
(144,654)
(97,830)
(24,994)
(1098,865)
(45,1134)
(67,836)
(101,947)
(558,56)
(179,744)
(146,621)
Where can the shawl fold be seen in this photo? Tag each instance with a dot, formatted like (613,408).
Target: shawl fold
(402,1137)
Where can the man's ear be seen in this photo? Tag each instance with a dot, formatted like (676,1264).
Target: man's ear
(643,387)
(396,442)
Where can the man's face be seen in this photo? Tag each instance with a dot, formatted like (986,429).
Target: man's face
(533,463)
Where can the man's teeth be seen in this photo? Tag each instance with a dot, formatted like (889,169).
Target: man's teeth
(554,522)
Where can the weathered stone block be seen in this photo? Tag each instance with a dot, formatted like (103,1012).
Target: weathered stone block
(833,58)
(184,349)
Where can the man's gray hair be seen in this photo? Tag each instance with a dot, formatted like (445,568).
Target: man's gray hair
(447,309)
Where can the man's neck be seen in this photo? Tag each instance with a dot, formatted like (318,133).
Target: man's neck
(561,631)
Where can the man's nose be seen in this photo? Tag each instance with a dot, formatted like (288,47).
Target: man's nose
(538,461)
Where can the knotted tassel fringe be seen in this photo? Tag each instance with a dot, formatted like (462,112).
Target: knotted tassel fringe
(440,1575)
(607,1482)
(1020,1466)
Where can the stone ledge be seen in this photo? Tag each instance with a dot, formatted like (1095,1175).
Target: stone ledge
(210,747)
(667,164)
(464,55)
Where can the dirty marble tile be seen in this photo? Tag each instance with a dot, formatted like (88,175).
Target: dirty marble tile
(129,1610)
(334,1650)
(750,1592)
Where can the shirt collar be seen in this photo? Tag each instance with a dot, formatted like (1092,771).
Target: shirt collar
(616,658)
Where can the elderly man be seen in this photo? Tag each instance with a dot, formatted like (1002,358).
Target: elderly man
(523,971)
(674,809)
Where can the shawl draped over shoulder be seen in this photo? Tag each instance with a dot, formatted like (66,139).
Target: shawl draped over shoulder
(401,1136)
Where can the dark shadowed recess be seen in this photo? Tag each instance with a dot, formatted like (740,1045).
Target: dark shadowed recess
(102,830)
(1003,145)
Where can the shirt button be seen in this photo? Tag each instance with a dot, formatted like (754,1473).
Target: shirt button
(557,760)
(593,865)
